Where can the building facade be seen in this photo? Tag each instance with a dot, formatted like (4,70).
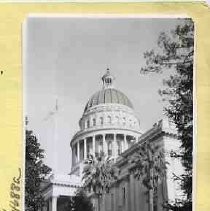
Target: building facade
(128,193)
(110,125)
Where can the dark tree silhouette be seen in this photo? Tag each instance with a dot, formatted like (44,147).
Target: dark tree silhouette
(35,172)
(149,168)
(175,54)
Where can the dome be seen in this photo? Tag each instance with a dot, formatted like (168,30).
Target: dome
(108,95)
(109,124)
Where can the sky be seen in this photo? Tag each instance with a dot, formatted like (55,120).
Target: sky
(66,57)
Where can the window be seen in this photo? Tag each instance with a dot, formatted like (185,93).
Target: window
(119,147)
(109,148)
(100,146)
(88,149)
(99,143)
(81,147)
(101,120)
(88,124)
(94,122)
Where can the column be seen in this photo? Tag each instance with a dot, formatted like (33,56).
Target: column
(125,142)
(54,203)
(115,146)
(78,152)
(94,145)
(85,148)
(105,145)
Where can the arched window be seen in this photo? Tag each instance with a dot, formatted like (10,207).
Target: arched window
(100,147)
(101,120)
(94,122)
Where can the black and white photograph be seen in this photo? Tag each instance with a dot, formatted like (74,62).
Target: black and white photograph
(108,108)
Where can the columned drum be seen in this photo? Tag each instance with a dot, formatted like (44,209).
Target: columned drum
(108,124)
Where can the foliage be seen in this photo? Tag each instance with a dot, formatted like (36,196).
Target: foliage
(175,53)
(149,168)
(80,202)
(99,174)
(149,158)
(35,172)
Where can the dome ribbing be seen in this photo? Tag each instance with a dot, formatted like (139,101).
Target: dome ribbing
(109,95)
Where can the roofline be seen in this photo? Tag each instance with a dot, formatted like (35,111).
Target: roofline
(156,130)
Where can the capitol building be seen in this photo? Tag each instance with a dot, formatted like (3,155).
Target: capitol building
(110,125)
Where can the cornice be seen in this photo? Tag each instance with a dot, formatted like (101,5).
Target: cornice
(66,185)
(61,184)
(81,134)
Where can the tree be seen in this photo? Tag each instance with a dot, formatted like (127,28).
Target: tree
(80,202)
(149,168)
(98,175)
(35,172)
(175,53)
